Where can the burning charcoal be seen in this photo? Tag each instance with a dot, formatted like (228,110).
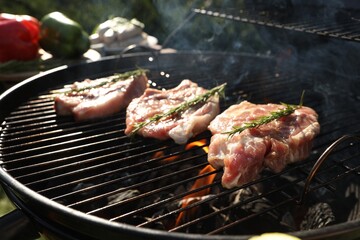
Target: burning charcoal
(256,205)
(157,211)
(118,205)
(247,204)
(121,196)
(319,215)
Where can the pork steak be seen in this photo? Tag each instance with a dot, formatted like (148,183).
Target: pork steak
(101,97)
(179,127)
(273,145)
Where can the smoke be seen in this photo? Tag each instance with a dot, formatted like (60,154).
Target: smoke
(333,60)
(187,30)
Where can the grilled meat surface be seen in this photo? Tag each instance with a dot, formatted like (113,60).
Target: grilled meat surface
(180,127)
(91,99)
(273,145)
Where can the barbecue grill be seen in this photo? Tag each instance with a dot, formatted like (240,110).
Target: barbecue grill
(87,180)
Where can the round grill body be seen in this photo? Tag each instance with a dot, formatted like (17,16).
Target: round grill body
(87,180)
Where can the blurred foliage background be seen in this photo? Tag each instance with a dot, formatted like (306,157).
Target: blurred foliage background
(5,205)
(161,19)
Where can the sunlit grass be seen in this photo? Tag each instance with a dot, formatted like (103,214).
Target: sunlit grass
(5,204)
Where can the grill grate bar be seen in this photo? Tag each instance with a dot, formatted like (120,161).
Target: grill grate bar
(24,114)
(331,179)
(158,190)
(167,200)
(46,131)
(33,105)
(40,101)
(37,142)
(142,173)
(31,108)
(50,128)
(65,143)
(73,158)
(241,220)
(233,206)
(135,148)
(307,26)
(30,129)
(170,199)
(99,152)
(27,125)
(338,32)
(324,26)
(225,192)
(31,120)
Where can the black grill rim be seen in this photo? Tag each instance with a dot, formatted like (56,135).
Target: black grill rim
(30,201)
(103,229)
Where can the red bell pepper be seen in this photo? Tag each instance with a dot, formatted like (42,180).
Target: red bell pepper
(19,37)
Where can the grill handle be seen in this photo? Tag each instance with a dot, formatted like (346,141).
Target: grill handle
(16,225)
(320,161)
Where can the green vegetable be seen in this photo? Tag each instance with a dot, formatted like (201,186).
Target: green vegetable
(62,36)
(289,109)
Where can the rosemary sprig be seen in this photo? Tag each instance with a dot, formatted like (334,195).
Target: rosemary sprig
(112,79)
(289,109)
(181,108)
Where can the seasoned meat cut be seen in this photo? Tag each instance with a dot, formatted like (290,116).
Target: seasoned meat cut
(100,97)
(179,127)
(273,145)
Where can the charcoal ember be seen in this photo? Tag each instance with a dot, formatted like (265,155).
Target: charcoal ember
(254,203)
(318,216)
(250,210)
(123,195)
(118,203)
(153,213)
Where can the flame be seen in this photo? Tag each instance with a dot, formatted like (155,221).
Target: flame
(199,143)
(203,181)
(188,199)
(161,154)
(202,142)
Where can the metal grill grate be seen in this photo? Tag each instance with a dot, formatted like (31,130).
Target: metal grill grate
(314,22)
(94,168)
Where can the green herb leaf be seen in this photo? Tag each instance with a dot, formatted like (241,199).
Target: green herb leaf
(112,79)
(182,107)
(289,109)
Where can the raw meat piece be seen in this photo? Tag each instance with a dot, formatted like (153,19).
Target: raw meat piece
(180,127)
(87,102)
(273,145)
